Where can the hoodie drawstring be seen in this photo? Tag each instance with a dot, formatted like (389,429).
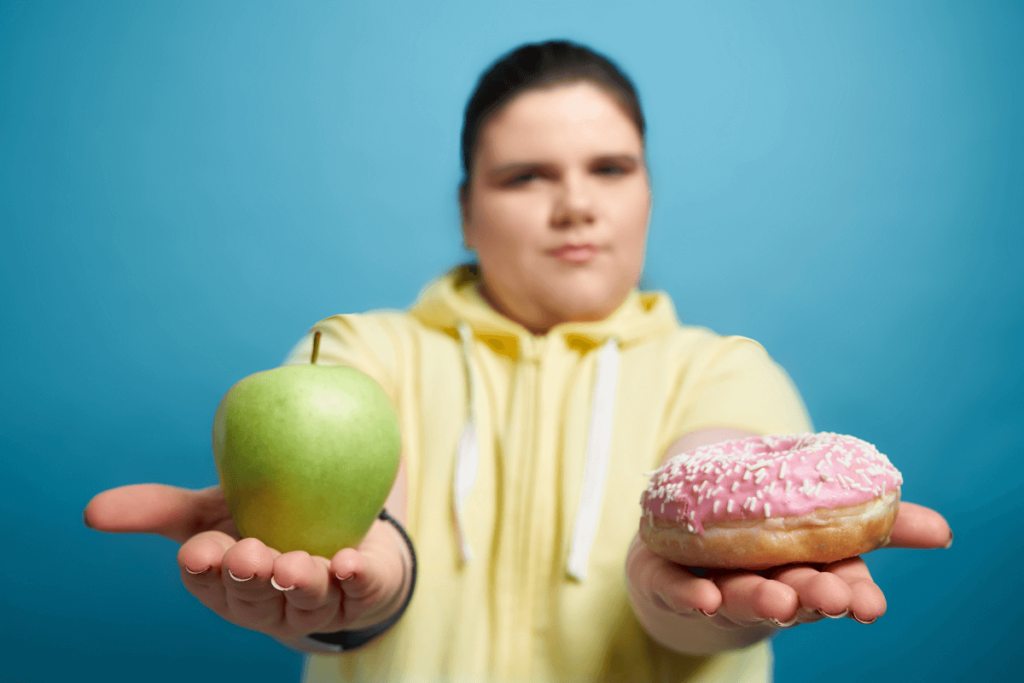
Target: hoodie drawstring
(595,471)
(468,457)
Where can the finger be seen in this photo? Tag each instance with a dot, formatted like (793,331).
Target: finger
(199,561)
(820,593)
(311,598)
(300,574)
(667,585)
(920,527)
(749,599)
(169,511)
(867,602)
(204,552)
(361,575)
(675,588)
(251,599)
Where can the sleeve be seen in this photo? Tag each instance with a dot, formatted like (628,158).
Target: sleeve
(733,382)
(370,343)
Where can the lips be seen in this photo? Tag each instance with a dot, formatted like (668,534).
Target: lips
(575,253)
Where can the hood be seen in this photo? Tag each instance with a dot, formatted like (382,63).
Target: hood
(455,299)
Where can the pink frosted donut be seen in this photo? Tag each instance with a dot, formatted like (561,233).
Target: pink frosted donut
(771,500)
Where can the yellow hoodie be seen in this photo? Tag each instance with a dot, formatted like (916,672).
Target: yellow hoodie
(525,458)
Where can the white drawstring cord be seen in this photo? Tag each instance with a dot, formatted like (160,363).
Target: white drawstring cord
(468,454)
(595,471)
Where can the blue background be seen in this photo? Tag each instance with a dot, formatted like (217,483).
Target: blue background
(186,186)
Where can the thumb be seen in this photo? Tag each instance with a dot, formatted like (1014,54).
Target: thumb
(169,511)
(920,527)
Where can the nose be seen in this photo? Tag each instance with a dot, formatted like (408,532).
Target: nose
(574,203)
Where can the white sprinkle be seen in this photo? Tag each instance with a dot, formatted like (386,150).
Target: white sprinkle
(771,487)
(717,505)
(760,475)
(703,484)
(760,494)
(746,476)
(767,509)
(817,490)
(735,485)
(825,477)
(789,485)
(720,478)
(819,465)
(728,508)
(782,470)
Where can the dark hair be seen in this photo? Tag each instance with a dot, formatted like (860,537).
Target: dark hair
(536,66)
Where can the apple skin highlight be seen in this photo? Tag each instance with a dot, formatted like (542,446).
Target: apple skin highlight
(306,455)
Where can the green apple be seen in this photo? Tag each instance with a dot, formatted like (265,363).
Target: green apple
(306,456)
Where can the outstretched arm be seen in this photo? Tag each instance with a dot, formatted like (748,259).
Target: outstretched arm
(724,610)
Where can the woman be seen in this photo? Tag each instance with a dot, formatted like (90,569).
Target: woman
(533,390)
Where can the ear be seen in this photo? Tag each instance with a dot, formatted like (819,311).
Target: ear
(464,215)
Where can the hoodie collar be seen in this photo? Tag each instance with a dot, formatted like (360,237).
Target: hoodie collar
(455,298)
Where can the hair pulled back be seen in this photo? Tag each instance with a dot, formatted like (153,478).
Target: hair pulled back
(540,65)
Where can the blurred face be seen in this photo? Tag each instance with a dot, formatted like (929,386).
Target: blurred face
(557,206)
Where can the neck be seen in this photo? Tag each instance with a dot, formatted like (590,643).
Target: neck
(537,330)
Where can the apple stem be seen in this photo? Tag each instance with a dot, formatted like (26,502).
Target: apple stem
(316,347)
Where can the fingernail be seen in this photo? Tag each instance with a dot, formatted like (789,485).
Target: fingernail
(202,571)
(861,621)
(834,616)
(275,584)
(949,543)
(708,614)
(249,578)
(783,624)
(344,578)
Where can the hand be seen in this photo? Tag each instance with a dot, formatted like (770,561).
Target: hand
(285,595)
(748,606)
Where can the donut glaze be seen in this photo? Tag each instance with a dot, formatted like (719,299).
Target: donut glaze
(827,496)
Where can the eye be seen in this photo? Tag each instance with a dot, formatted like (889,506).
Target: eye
(613,166)
(521,179)
(609,170)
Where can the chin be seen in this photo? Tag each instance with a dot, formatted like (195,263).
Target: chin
(589,305)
